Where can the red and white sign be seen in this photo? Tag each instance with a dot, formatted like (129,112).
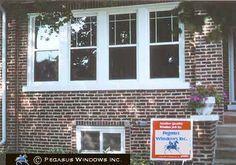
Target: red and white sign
(171,139)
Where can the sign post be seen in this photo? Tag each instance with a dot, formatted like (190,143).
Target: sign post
(171,139)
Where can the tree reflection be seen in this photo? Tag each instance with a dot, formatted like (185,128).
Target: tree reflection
(83,51)
(83,31)
(46,66)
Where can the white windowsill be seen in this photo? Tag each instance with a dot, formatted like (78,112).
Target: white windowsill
(110,85)
(205,117)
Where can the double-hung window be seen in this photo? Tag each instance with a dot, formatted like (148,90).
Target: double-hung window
(122,46)
(164,45)
(100,139)
(131,47)
(83,48)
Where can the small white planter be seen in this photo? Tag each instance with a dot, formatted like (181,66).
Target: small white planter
(208,108)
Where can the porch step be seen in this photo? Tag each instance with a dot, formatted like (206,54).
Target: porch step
(225,129)
(226,141)
(226,153)
(230,117)
(225,162)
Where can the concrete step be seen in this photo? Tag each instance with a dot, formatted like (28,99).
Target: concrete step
(230,117)
(226,153)
(226,129)
(225,162)
(224,141)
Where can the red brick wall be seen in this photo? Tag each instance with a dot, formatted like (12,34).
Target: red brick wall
(48,119)
(209,63)
(204,142)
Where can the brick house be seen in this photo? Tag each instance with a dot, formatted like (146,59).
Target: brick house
(101,77)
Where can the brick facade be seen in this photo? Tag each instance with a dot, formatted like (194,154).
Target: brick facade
(47,120)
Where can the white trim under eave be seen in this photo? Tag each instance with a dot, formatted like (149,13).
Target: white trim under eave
(119,9)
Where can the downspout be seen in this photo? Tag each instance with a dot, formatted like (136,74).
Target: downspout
(4,77)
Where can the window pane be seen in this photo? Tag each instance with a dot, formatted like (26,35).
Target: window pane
(152,31)
(83,32)
(164,30)
(83,64)
(112,33)
(164,61)
(133,32)
(44,39)
(163,14)
(46,66)
(90,140)
(152,15)
(122,32)
(112,141)
(175,29)
(122,63)
(122,17)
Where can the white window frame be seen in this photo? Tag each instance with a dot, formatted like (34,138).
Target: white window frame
(142,81)
(101,130)
(232,94)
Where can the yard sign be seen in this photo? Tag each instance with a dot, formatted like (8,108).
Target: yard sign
(171,139)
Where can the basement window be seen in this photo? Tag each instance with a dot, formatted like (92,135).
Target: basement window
(100,139)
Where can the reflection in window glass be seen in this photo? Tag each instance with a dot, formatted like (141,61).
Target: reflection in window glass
(44,39)
(164,61)
(90,140)
(164,57)
(176,30)
(112,141)
(83,64)
(83,48)
(122,63)
(164,30)
(122,29)
(83,31)
(163,27)
(46,66)
(122,59)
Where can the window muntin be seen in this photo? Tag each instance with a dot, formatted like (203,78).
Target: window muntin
(164,45)
(46,54)
(83,48)
(100,139)
(122,49)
